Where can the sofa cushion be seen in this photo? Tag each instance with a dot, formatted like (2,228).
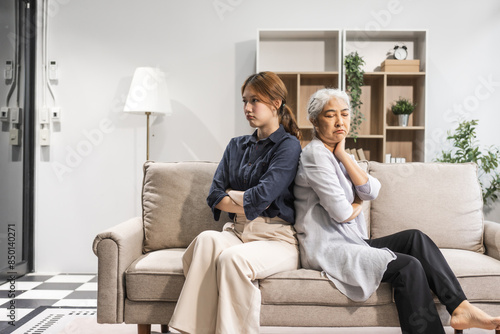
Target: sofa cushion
(174,203)
(478,274)
(156,276)
(148,277)
(310,287)
(442,200)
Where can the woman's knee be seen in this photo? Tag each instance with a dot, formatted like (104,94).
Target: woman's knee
(204,242)
(416,233)
(208,235)
(419,236)
(405,265)
(412,267)
(230,260)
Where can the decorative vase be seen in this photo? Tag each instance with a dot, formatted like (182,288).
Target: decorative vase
(403,120)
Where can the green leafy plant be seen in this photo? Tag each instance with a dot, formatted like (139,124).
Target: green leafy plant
(403,107)
(353,63)
(466,149)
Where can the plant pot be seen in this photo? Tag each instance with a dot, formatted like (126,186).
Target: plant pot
(403,120)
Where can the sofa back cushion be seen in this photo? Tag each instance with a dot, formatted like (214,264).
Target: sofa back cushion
(442,200)
(174,203)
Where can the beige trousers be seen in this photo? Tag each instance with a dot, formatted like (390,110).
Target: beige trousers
(220,294)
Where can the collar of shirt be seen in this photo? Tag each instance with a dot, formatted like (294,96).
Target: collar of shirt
(274,137)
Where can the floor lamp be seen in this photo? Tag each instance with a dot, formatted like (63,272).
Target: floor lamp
(148,95)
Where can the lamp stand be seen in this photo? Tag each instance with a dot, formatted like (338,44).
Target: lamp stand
(147,134)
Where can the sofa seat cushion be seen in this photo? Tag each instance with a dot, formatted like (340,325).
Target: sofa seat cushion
(310,287)
(156,276)
(478,274)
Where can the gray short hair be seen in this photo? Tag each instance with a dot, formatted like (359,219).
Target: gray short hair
(319,99)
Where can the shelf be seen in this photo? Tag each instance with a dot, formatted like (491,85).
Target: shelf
(308,60)
(406,144)
(405,128)
(372,98)
(372,147)
(308,85)
(298,50)
(319,74)
(410,87)
(368,136)
(404,74)
(377,45)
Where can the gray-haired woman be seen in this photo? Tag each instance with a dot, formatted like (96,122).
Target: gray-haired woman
(331,229)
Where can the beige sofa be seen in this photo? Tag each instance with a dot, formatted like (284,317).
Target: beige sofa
(139,261)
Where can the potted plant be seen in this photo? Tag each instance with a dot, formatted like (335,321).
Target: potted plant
(466,149)
(403,109)
(353,63)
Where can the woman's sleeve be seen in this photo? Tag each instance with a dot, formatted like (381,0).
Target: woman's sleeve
(323,179)
(277,178)
(369,190)
(219,184)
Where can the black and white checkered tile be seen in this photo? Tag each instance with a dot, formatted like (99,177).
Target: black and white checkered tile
(56,290)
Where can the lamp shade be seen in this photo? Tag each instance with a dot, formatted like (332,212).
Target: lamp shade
(148,92)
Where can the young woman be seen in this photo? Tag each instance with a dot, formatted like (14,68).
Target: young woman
(329,190)
(254,183)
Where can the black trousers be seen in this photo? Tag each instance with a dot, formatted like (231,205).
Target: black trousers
(419,268)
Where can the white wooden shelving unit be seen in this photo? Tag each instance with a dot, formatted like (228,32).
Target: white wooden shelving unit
(308,60)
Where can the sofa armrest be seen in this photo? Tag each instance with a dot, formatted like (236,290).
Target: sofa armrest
(116,248)
(492,239)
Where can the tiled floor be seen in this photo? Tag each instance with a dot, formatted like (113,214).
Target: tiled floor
(34,290)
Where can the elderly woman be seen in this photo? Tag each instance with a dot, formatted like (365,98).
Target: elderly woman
(331,229)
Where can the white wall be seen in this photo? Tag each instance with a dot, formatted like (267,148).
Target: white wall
(206,54)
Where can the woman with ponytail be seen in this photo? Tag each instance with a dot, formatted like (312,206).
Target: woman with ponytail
(254,183)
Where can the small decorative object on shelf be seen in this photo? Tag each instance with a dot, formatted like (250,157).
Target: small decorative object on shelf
(389,159)
(394,65)
(353,63)
(400,53)
(403,109)
(400,63)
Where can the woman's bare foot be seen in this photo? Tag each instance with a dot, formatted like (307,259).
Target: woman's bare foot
(467,315)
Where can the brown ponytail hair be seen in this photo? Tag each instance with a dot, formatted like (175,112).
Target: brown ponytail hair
(269,87)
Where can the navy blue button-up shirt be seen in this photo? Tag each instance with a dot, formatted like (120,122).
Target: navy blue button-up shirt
(264,170)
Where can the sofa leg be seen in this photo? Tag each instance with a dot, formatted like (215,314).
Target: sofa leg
(165,329)
(143,329)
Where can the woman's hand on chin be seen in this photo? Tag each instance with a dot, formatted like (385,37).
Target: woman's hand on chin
(339,150)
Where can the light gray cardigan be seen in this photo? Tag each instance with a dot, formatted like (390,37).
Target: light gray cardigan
(323,197)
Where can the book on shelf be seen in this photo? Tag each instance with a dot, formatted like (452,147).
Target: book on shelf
(353,153)
(358,154)
(361,154)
